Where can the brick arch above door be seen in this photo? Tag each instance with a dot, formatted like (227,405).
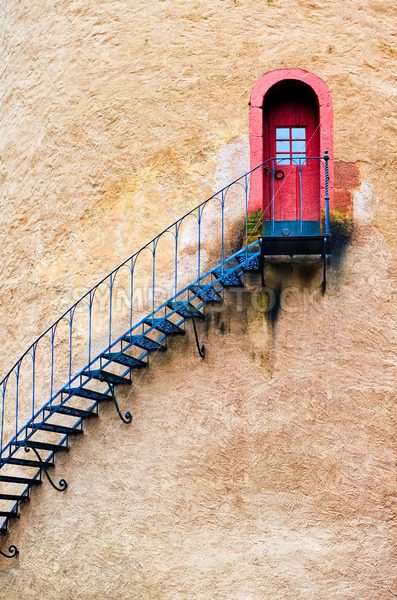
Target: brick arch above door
(258,94)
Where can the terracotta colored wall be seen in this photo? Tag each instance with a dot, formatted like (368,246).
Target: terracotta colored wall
(347,179)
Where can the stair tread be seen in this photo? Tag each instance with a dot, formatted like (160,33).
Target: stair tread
(20,480)
(17,497)
(25,462)
(186,310)
(228,278)
(8,513)
(206,293)
(165,326)
(42,445)
(55,428)
(107,377)
(249,263)
(125,360)
(144,342)
(72,411)
(89,394)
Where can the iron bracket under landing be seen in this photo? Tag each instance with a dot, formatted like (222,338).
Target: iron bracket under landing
(298,245)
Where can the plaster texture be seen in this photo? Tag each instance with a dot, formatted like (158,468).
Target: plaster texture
(266,471)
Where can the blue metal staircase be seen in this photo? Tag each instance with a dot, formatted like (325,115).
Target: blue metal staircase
(111,332)
(152,336)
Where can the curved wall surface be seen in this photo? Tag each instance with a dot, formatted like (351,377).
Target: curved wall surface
(267,470)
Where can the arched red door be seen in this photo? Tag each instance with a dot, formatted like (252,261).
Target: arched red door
(291,145)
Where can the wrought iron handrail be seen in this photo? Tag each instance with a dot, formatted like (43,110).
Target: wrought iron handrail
(52,352)
(276,169)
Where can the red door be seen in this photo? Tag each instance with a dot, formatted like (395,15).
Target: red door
(292,183)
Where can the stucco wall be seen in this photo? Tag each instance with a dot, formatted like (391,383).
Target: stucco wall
(268,472)
(265,471)
(115,115)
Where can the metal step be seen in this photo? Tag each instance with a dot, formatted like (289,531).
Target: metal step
(17,497)
(25,462)
(10,514)
(20,480)
(249,263)
(107,377)
(55,428)
(228,278)
(144,342)
(296,245)
(88,394)
(41,445)
(165,326)
(206,293)
(71,411)
(186,310)
(125,360)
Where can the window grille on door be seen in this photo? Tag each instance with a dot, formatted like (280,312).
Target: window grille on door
(291,145)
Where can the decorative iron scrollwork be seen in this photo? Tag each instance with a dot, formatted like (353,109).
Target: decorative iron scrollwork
(127,417)
(62,483)
(200,347)
(13,552)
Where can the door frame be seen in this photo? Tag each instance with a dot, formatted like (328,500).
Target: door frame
(257,141)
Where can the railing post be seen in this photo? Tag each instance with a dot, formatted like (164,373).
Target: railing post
(90,303)
(3,394)
(176,235)
(70,319)
(223,229)
(327,230)
(154,245)
(110,287)
(131,269)
(300,196)
(273,209)
(34,348)
(246,214)
(199,242)
(53,331)
(17,373)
